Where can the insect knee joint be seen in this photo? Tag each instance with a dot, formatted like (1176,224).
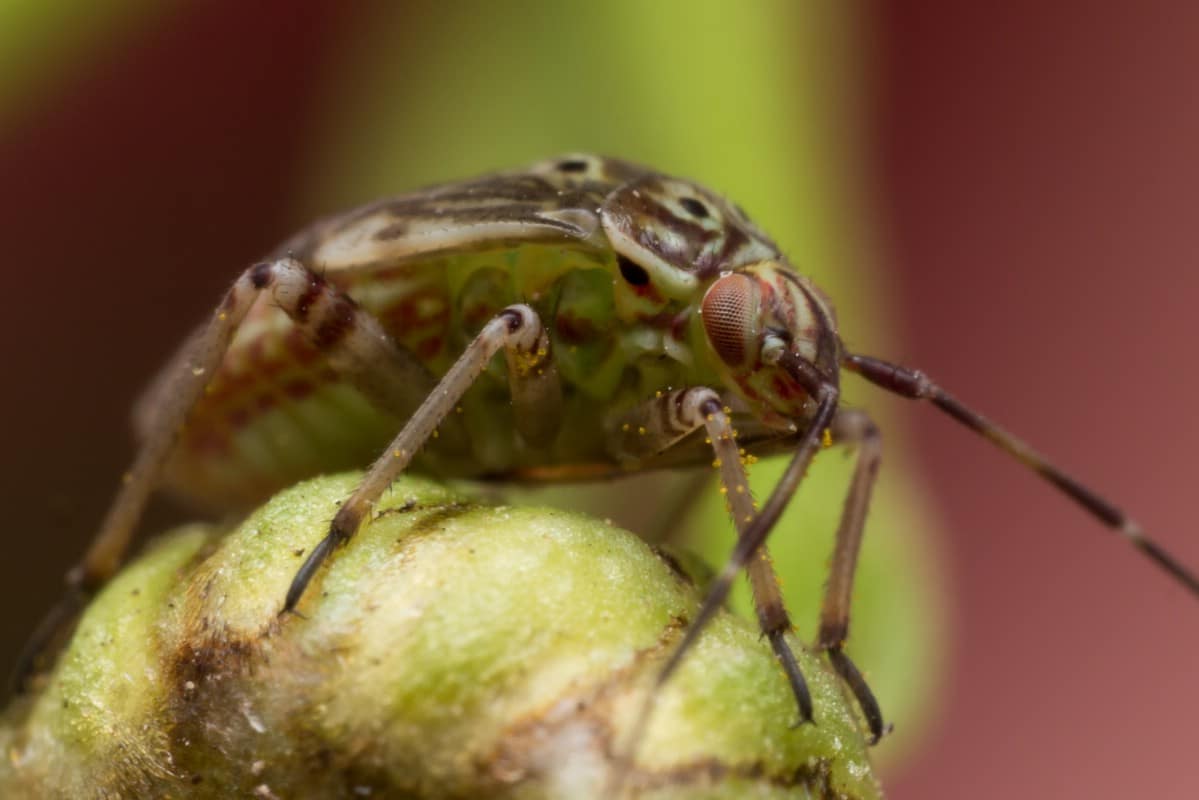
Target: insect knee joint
(524,327)
(261,274)
(345,523)
(832,636)
(700,404)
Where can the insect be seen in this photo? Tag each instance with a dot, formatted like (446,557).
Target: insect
(644,321)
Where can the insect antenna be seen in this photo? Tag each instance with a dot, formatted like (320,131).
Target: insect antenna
(916,385)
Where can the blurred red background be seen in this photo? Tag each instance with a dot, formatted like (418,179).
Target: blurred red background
(1040,186)
(1036,176)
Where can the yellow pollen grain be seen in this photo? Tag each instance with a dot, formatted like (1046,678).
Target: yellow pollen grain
(222,316)
(740,488)
(625,427)
(436,434)
(727,410)
(826,439)
(716,463)
(641,430)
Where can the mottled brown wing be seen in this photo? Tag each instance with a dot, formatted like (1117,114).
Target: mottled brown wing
(554,200)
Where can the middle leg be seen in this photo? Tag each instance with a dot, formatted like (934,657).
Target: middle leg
(537,402)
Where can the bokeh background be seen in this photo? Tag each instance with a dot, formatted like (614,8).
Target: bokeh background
(1002,197)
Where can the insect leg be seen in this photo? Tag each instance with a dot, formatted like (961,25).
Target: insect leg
(851,427)
(352,341)
(533,384)
(535,391)
(916,385)
(825,394)
(355,345)
(661,422)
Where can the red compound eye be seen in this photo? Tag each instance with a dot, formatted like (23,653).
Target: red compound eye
(730,311)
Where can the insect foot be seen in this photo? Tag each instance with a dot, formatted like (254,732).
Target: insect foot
(457,651)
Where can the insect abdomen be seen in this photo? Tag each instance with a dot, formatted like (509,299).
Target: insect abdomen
(276,413)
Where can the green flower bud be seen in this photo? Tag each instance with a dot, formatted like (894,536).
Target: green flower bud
(451,650)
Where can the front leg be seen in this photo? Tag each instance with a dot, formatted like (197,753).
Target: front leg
(663,421)
(537,403)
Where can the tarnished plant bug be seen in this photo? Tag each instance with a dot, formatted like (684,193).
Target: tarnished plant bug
(645,323)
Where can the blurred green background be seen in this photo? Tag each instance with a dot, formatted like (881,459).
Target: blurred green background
(939,172)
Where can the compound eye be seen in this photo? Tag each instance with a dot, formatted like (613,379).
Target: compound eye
(730,314)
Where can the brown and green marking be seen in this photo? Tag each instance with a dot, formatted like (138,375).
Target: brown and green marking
(608,254)
(644,322)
